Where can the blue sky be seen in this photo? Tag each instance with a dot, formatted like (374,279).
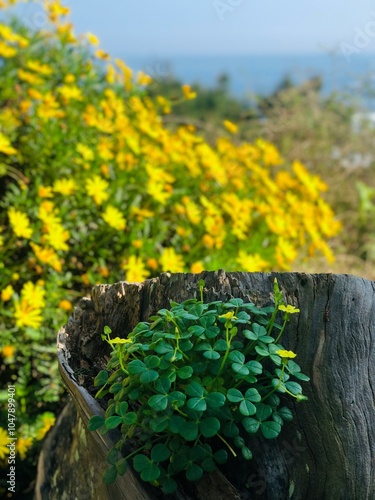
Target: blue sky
(169,27)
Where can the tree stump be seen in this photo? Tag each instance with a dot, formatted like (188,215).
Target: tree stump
(326,452)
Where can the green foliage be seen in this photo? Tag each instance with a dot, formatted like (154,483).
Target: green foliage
(197,381)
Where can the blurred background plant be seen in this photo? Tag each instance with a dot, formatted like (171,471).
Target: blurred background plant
(106,176)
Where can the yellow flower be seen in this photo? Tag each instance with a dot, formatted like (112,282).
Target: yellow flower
(6,50)
(28,77)
(117,340)
(57,237)
(94,40)
(143,79)
(285,354)
(252,262)
(23,445)
(229,315)
(20,223)
(27,315)
(8,351)
(4,450)
(152,264)
(135,269)
(65,187)
(114,218)
(5,146)
(47,256)
(87,153)
(70,92)
(6,293)
(48,421)
(45,192)
(289,309)
(171,262)
(96,187)
(66,305)
(36,66)
(230,126)
(100,54)
(188,93)
(34,294)
(197,267)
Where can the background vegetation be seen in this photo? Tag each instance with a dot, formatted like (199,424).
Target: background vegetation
(106,175)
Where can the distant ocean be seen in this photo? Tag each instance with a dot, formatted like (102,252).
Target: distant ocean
(257,74)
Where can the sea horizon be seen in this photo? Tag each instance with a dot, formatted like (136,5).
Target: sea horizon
(261,73)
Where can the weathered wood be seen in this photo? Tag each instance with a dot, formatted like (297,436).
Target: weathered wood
(328,451)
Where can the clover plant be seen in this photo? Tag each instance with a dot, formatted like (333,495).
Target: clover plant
(193,384)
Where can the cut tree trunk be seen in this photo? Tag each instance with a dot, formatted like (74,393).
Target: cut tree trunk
(326,452)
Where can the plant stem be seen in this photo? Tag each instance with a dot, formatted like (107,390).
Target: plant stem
(227,445)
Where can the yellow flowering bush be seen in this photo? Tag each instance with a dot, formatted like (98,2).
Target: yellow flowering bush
(96,188)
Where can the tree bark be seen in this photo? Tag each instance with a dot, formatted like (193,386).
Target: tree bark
(326,452)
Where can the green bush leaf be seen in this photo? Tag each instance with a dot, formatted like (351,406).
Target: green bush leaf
(208,465)
(163,384)
(263,411)
(195,390)
(270,430)
(250,425)
(169,486)
(194,472)
(285,414)
(293,387)
(221,456)
(160,453)
(230,429)
(95,423)
(234,396)
(262,350)
(113,422)
(101,378)
(212,355)
(215,400)
(246,453)
(122,466)
(130,418)
(253,395)
(159,424)
(149,376)
(152,361)
(185,372)
(196,330)
(112,456)
(247,408)
(254,367)
(189,431)
(209,426)
(237,357)
(136,367)
(197,404)
(122,408)
(158,402)
(110,475)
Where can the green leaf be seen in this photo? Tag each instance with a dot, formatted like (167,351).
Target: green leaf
(250,425)
(122,466)
(194,472)
(163,384)
(235,302)
(285,414)
(212,332)
(149,376)
(95,423)
(110,475)
(184,372)
(136,367)
(150,473)
(107,330)
(101,378)
(240,369)
(262,350)
(246,453)
(159,424)
(160,453)
(197,404)
(207,320)
(212,355)
(215,399)
(263,411)
(253,395)
(293,387)
(220,345)
(221,456)
(164,348)
(247,408)
(122,408)
(112,456)
(237,357)
(239,441)
(158,402)
(177,424)
(115,388)
(208,465)
(302,376)
(189,431)
(113,422)
(152,361)
(270,430)
(231,429)
(209,426)
(250,335)
(194,389)
(234,396)
(254,367)
(130,418)
(169,486)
